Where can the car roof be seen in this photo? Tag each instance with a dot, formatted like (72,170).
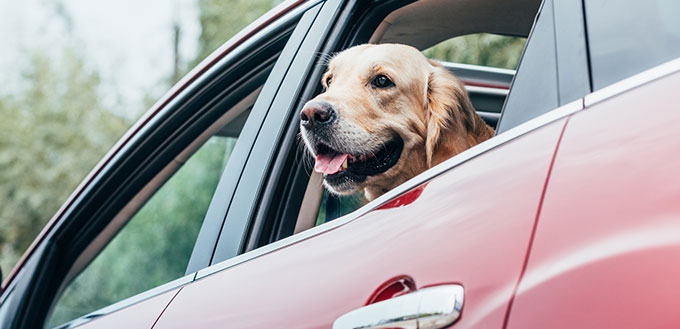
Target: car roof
(425,23)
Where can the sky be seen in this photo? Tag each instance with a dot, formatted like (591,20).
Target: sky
(129,42)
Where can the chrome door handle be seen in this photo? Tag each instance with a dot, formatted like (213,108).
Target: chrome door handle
(428,308)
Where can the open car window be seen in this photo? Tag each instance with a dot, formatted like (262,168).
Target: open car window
(485,63)
(290,196)
(483,49)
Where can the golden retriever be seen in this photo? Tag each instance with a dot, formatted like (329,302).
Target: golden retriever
(387,114)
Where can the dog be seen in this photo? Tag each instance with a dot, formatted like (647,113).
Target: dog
(387,113)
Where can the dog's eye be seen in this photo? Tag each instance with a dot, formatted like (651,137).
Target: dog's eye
(328,81)
(381,81)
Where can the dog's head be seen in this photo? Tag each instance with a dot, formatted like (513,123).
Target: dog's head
(387,114)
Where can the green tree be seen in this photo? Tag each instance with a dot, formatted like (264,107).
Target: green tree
(155,245)
(480,49)
(55,129)
(220,20)
(51,134)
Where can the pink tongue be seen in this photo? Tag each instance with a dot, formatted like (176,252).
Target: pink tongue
(329,163)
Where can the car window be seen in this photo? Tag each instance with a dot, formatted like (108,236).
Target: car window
(534,89)
(628,36)
(483,49)
(480,49)
(333,206)
(294,199)
(154,247)
(573,75)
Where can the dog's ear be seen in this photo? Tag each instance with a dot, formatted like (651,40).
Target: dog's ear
(450,116)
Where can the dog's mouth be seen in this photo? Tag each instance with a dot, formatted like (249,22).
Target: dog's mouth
(336,165)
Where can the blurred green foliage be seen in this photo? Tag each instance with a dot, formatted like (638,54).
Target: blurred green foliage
(220,20)
(480,49)
(345,205)
(155,246)
(51,134)
(55,129)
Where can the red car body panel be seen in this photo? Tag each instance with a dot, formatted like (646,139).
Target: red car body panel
(143,315)
(477,220)
(607,247)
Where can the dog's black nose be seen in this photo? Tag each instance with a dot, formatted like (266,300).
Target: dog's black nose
(317,113)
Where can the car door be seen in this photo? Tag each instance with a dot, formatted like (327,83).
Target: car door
(466,223)
(135,192)
(606,246)
(470,226)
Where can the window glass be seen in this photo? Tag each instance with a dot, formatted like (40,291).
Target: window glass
(573,77)
(480,49)
(629,36)
(534,88)
(333,206)
(155,245)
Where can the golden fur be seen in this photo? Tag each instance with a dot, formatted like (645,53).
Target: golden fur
(427,107)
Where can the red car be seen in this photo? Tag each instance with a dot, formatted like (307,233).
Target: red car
(568,218)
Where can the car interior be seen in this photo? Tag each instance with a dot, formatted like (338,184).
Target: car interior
(293,199)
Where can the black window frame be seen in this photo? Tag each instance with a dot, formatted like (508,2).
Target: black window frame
(279,101)
(269,203)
